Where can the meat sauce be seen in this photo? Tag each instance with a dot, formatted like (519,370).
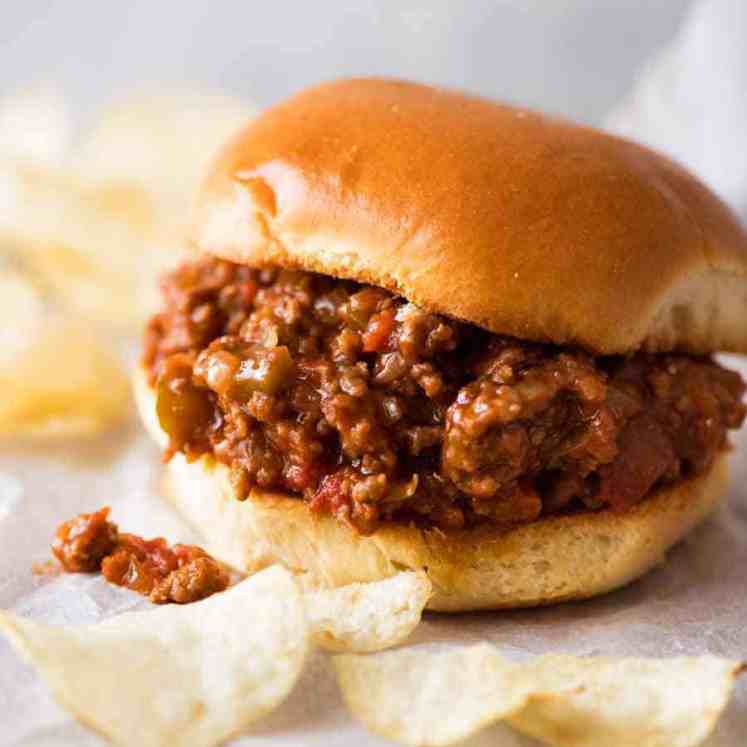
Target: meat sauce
(90,542)
(373,409)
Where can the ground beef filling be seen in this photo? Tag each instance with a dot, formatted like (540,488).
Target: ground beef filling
(181,574)
(373,409)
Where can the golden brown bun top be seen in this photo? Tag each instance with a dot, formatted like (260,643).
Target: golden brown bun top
(518,222)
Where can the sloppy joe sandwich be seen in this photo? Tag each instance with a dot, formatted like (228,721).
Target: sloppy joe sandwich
(433,332)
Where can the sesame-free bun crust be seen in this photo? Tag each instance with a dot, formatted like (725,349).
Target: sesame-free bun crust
(554,559)
(518,222)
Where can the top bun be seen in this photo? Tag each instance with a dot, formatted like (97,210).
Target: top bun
(520,223)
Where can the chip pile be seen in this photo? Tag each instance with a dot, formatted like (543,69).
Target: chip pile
(83,234)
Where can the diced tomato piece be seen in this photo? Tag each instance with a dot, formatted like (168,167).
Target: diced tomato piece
(377,333)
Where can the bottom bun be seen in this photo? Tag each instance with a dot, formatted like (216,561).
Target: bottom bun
(554,559)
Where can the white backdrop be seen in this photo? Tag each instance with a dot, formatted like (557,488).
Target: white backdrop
(574,57)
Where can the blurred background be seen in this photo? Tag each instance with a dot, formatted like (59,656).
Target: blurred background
(578,58)
(574,57)
(110,112)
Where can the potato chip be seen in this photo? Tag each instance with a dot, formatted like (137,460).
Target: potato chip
(162,140)
(624,702)
(56,376)
(419,697)
(97,227)
(191,675)
(22,309)
(61,381)
(84,241)
(35,124)
(57,206)
(425,698)
(368,617)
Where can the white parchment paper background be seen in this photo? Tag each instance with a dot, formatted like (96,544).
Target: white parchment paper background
(692,102)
